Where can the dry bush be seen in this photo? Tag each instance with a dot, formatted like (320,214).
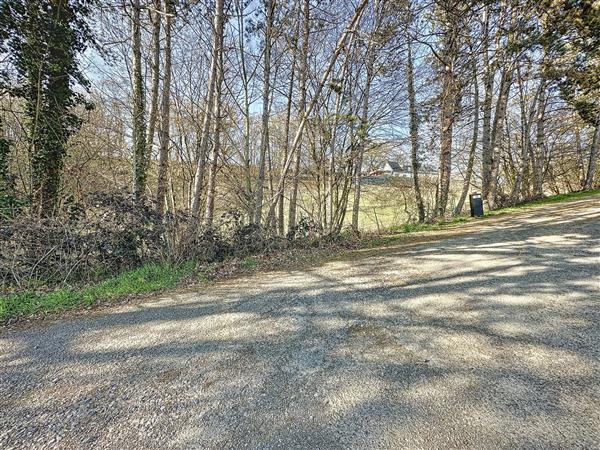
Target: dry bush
(108,233)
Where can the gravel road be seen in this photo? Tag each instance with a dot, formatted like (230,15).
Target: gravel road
(486,340)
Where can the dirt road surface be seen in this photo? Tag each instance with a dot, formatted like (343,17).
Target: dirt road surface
(490,339)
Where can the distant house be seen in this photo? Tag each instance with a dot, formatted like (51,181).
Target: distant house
(391,168)
(394,169)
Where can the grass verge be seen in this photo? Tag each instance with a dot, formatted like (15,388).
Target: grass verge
(148,278)
(545,201)
(398,233)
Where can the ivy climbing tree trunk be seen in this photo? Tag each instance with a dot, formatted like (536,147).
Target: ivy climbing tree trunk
(4,160)
(140,161)
(43,40)
(414,131)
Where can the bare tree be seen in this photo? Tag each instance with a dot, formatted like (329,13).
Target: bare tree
(372,46)
(165,120)
(204,139)
(264,136)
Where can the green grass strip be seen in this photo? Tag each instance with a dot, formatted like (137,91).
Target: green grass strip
(148,278)
(545,201)
(396,233)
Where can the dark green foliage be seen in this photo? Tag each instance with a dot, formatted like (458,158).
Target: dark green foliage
(42,40)
(573,39)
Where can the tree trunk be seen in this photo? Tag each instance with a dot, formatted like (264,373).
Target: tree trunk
(497,135)
(288,115)
(164,132)
(471,160)
(414,132)
(486,127)
(301,115)
(364,119)
(139,108)
(156,19)
(526,122)
(591,171)
(216,148)
(4,160)
(540,153)
(247,191)
(264,135)
(448,106)
(203,143)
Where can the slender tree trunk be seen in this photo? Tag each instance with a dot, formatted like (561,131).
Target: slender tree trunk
(156,20)
(591,171)
(364,120)
(540,153)
(498,135)
(331,176)
(139,107)
(164,132)
(247,193)
(526,122)
(288,115)
(414,132)
(301,115)
(264,135)
(338,49)
(486,127)
(471,160)
(216,148)
(203,146)
(580,158)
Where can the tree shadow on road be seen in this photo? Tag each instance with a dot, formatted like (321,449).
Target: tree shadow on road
(491,337)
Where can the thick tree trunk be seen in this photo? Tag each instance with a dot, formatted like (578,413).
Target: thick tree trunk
(448,105)
(165,123)
(139,107)
(4,160)
(497,135)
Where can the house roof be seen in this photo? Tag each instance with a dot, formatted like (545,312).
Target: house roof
(394,166)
